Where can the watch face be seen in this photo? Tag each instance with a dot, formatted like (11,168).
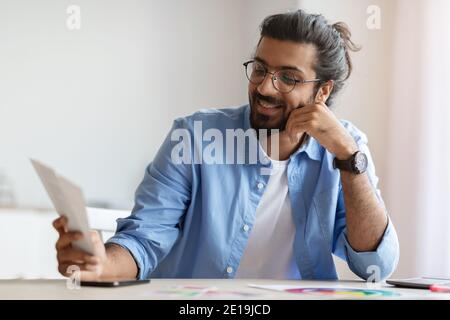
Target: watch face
(360,163)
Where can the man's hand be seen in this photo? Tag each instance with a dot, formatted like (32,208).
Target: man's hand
(366,218)
(318,121)
(91,266)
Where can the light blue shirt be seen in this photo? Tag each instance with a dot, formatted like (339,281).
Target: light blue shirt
(193,220)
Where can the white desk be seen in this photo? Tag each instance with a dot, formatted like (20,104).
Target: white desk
(57,289)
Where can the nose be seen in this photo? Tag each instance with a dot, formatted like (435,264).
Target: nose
(266,88)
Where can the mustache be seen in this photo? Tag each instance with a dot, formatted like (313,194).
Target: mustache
(268,99)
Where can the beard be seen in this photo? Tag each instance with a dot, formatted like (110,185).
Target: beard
(262,121)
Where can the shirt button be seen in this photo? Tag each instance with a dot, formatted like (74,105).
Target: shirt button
(260,185)
(229,270)
(246,227)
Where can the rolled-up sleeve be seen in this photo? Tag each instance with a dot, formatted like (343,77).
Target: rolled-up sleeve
(382,262)
(160,203)
(379,264)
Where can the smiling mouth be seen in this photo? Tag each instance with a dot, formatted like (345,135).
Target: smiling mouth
(267,108)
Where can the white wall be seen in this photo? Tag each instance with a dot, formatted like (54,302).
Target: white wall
(96,103)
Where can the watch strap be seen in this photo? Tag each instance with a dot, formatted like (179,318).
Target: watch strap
(345,165)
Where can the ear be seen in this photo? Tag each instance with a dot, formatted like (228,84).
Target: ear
(324,91)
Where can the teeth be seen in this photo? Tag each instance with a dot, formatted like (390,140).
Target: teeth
(266,105)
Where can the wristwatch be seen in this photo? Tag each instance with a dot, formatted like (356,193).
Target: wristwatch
(357,163)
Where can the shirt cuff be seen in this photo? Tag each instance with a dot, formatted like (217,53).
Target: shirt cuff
(379,264)
(136,250)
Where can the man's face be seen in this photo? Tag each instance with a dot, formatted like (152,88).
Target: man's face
(270,108)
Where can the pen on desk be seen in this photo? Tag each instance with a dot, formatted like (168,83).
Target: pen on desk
(440,288)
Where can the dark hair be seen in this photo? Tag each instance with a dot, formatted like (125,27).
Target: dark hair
(332,42)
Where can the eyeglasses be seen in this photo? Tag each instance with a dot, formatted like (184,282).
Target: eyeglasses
(283,80)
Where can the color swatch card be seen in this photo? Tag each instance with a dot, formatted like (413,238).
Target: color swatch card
(332,293)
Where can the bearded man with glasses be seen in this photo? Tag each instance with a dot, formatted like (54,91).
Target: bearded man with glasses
(197,220)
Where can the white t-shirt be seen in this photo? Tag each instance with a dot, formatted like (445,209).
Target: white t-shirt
(269,252)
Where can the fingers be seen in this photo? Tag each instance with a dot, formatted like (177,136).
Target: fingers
(315,107)
(95,236)
(297,129)
(294,124)
(310,113)
(76,256)
(66,239)
(68,257)
(67,269)
(306,119)
(71,259)
(60,224)
(304,125)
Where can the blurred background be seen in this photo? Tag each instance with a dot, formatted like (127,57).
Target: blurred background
(95,102)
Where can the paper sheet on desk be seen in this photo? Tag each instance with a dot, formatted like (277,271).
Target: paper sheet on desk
(68,200)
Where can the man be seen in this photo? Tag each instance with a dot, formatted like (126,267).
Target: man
(200,220)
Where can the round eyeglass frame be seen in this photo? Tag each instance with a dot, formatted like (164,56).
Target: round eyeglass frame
(274,77)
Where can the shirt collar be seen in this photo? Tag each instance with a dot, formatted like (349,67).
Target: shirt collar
(311,147)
